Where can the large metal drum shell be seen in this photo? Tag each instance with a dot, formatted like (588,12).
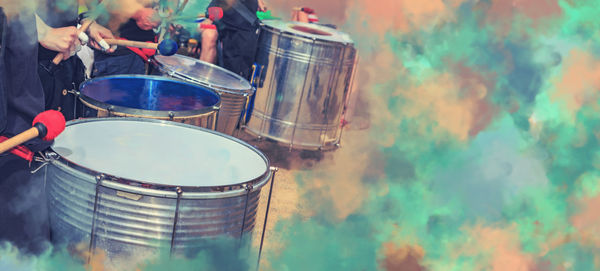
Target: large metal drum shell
(300,98)
(127,221)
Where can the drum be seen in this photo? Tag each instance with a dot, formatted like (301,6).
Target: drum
(131,186)
(234,89)
(151,97)
(303,85)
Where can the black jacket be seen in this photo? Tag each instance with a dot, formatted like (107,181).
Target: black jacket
(21,93)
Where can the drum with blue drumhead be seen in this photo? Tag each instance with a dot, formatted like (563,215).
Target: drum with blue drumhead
(151,97)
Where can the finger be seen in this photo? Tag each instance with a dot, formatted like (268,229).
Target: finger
(94,45)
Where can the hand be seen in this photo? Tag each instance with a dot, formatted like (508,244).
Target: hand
(63,40)
(146,18)
(262,6)
(98,33)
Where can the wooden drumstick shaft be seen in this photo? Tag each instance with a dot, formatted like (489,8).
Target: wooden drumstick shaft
(19,139)
(130,43)
(86,24)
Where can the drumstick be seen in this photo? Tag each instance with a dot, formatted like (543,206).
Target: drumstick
(167,47)
(47,125)
(58,58)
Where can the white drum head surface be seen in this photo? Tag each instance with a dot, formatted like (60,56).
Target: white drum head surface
(202,72)
(307,30)
(158,153)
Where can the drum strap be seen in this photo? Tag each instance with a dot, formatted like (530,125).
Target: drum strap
(20,151)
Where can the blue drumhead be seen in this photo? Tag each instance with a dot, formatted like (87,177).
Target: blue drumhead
(149,93)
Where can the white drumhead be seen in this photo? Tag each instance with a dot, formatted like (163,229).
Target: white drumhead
(156,152)
(197,71)
(312,31)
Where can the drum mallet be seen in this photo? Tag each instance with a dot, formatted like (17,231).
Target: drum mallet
(167,47)
(46,125)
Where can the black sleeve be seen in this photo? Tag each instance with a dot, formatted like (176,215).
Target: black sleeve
(3,104)
(21,83)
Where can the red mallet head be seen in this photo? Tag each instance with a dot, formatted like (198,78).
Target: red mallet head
(49,124)
(214,13)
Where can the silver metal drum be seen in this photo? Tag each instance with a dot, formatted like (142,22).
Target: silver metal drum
(305,78)
(234,89)
(130,185)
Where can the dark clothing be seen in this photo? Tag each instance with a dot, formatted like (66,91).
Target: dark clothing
(131,31)
(22,208)
(231,16)
(239,36)
(20,85)
(123,60)
(59,80)
(239,50)
(130,63)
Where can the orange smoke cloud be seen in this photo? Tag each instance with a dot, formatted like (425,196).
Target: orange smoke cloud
(496,249)
(339,180)
(579,83)
(403,15)
(406,258)
(586,220)
(449,104)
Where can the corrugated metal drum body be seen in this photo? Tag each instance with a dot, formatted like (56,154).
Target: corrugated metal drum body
(128,217)
(303,85)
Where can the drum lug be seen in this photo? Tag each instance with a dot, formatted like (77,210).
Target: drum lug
(99,178)
(171,115)
(109,110)
(44,159)
(248,187)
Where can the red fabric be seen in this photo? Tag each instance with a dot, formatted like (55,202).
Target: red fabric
(20,151)
(308,10)
(144,53)
(54,122)
(208,26)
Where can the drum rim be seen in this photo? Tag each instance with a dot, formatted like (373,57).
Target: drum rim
(146,112)
(186,78)
(337,36)
(164,189)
